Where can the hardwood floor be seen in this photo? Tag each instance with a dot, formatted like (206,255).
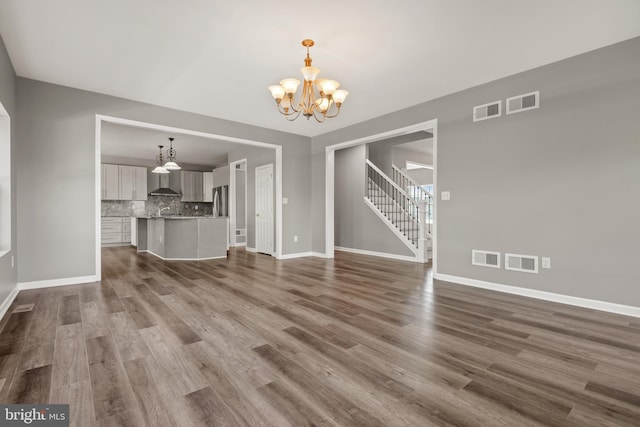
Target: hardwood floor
(355,341)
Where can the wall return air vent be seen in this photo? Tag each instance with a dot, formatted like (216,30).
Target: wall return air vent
(525,263)
(528,101)
(487,111)
(485,258)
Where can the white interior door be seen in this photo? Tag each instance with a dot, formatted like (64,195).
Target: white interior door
(264,209)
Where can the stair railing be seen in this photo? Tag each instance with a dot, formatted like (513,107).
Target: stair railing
(404,211)
(416,192)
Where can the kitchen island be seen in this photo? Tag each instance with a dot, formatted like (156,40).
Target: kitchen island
(183,237)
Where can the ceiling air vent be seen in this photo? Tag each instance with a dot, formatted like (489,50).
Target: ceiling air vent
(528,101)
(526,263)
(485,258)
(487,111)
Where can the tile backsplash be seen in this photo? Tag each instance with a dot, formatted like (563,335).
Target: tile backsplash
(151,206)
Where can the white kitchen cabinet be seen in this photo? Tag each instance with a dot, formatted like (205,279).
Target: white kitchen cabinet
(133,183)
(140,183)
(191,185)
(110,182)
(121,182)
(116,230)
(221,176)
(207,186)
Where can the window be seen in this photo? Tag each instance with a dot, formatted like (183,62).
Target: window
(5,181)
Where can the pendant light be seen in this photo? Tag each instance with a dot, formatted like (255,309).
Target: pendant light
(160,168)
(171,164)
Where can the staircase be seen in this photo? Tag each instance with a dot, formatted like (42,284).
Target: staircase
(405,215)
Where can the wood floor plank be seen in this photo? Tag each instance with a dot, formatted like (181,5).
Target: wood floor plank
(178,374)
(69,310)
(128,340)
(297,411)
(112,393)
(30,386)
(39,344)
(70,363)
(152,407)
(208,409)
(78,397)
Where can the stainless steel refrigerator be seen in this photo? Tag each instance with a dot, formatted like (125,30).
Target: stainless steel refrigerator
(221,201)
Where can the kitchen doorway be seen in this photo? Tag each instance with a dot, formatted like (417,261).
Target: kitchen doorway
(277,175)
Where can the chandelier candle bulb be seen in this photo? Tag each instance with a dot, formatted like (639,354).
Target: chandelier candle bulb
(326,105)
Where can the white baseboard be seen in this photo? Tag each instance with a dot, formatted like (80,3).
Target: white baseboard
(319,254)
(240,245)
(610,307)
(248,249)
(379,254)
(57,282)
(296,255)
(183,259)
(8,300)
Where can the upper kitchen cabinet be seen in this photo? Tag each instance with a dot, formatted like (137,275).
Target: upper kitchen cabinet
(133,182)
(191,183)
(221,176)
(124,182)
(207,186)
(110,182)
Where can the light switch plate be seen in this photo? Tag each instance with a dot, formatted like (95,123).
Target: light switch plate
(445,195)
(546,262)
(285,200)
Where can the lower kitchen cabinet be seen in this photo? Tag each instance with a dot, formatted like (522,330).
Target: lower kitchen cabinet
(116,230)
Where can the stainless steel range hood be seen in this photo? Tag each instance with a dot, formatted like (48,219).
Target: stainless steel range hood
(165,191)
(160,184)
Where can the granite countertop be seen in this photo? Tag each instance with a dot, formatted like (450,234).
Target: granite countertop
(181,217)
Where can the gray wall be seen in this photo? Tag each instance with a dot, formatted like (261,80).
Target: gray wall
(561,181)
(356,225)
(8,278)
(56,173)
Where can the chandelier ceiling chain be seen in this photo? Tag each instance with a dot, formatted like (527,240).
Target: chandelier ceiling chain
(325,106)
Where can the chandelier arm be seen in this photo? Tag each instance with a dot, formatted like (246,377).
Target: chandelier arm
(322,117)
(285,113)
(288,117)
(332,115)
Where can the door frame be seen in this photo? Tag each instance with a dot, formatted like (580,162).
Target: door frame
(233,202)
(270,167)
(100,118)
(329,175)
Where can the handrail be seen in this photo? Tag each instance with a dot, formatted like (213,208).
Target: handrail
(411,180)
(392,182)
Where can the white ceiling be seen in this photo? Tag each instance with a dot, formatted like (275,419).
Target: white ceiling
(142,144)
(217,57)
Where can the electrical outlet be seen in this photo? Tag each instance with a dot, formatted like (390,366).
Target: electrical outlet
(196,207)
(546,262)
(295,238)
(160,239)
(13,262)
(446,195)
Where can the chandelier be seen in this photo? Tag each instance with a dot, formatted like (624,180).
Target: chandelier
(325,106)
(171,164)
